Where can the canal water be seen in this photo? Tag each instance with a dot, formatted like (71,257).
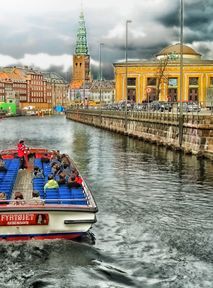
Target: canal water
(155,219)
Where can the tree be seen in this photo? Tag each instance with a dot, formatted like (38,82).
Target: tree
(162,76)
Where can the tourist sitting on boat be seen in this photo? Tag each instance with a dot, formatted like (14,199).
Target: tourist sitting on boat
(64,159)
(56,170)
(61,178)
(22,152)
(51,183)
(45,158)
(66,169)
(2,198)
(75,173)
(19,199)
(58,154)
(78,179)
(38,172)
(36,198)
(55,159)
(73,182)
(2,165)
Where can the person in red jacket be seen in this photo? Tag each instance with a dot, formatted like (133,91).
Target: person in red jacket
(22,150)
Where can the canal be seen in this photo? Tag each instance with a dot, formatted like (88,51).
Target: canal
(155,219)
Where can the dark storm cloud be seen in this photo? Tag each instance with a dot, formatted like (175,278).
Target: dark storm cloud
(54,33)
(59,70)
(203,49)
(198,21)
(107,71)
(170,20)
(51,35)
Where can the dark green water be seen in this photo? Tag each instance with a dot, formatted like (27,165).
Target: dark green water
(155,220)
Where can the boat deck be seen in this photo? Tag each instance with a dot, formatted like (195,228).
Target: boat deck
(23,184)
(16,180)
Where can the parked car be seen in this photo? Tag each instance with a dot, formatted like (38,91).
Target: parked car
(112,106)
(122,105)
(190,107)
(141,107)
(161,106)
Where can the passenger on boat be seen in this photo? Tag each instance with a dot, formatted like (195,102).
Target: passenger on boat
(62,178)
(56,170)
(19,199)
(55,159)
(72,182)
(2,165)
(2,198)
(51,184)
(45,158)
(38,172)
(66,169)
(78,179)
(65,159)
(75,173)
(22,152)
(36,200)
(58,154)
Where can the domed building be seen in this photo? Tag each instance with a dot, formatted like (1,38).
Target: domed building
(175,50)
(159,79)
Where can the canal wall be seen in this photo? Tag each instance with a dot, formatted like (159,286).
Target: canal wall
(190,133)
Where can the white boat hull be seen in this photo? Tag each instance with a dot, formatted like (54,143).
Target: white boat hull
(60,224)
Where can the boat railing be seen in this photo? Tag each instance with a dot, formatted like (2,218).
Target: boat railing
(42,202)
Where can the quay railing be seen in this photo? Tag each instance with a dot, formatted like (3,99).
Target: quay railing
(155,107)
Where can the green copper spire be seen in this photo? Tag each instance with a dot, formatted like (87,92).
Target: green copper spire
(81,47)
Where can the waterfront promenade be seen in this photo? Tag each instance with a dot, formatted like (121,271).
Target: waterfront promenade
(191,133)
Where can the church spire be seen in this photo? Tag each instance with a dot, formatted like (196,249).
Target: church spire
(81,47)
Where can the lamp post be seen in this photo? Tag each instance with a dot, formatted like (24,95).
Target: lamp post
(100,70)
(126,58)
(181,76)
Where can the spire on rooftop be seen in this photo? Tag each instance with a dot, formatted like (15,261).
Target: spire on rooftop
(81,47)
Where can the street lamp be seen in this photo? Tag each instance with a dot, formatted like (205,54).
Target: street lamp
(181,76)
(126,56)
(100,69)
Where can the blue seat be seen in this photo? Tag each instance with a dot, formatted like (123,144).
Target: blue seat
(38,180)
(64,196)
(52,190)
(49,201)
(66,202)
(82,202)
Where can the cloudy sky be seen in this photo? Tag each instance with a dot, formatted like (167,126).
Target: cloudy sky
(42,33)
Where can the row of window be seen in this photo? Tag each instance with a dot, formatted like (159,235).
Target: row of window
(172,94)
(172,81)
(37,83)
(97,97)
(37,77)
(18,85)
(38,94)
(23,98)
(37,100)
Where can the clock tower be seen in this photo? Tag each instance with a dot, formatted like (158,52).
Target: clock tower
(81,58)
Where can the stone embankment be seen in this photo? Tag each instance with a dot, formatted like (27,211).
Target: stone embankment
(189,133)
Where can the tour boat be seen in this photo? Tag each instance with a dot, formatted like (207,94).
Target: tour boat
(60,213)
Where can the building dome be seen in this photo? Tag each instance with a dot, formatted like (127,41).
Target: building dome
(174,50)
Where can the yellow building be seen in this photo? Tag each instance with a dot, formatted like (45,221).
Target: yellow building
(159,79)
